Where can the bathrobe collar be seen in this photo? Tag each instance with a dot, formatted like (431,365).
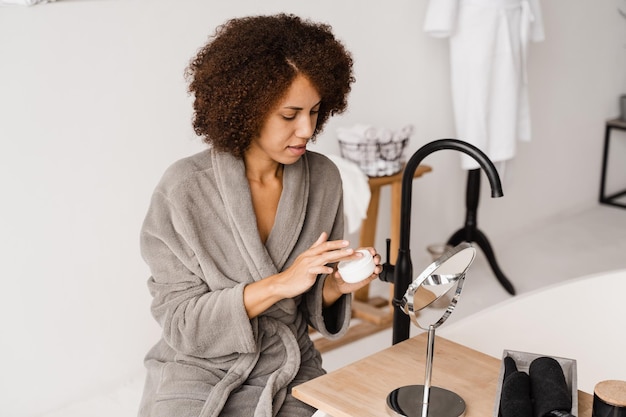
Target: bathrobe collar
(263,260)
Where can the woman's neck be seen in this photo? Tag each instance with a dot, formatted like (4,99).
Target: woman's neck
(263,171)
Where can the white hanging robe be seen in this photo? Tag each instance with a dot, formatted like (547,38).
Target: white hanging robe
(488,53)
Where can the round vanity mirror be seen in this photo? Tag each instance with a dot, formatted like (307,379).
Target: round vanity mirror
(429,301)
(432,296)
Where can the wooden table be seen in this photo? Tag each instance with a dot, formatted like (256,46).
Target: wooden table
(360,389)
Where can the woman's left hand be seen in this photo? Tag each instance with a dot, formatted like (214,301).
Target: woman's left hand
(335,286)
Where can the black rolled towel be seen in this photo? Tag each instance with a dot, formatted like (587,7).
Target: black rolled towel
(515,397)
(509,366)
(549,391)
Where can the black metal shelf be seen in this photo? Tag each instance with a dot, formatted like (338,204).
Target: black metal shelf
(610,199)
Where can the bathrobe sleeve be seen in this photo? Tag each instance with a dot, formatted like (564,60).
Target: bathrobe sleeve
(440,20)
(191,314)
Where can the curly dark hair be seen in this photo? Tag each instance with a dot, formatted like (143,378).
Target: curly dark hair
(247,66)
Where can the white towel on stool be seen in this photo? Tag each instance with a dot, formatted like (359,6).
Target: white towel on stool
(356,192)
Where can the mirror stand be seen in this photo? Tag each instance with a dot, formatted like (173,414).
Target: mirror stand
(420,400)
(429,301)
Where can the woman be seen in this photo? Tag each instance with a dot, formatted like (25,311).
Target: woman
(242,240)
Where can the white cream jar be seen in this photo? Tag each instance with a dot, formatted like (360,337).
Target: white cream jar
(358,269)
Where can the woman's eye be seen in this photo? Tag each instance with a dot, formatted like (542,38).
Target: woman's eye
(289,116)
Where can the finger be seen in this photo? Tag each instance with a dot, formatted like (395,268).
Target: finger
(330,246)
(378,259)
(320,269)
(371,250)
(338,255)
(323,237)
(371,278)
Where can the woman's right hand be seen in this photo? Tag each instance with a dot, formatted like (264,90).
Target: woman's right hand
(301,275)
(298,277)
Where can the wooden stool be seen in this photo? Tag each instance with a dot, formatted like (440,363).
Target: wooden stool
(377,312)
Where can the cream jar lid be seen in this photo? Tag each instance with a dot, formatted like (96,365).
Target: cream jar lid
(358,269)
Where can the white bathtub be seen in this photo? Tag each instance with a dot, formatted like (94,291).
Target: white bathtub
(581,319)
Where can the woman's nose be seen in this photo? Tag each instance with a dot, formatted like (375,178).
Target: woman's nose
(305,128)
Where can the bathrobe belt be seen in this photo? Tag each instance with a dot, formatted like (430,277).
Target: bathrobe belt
(276,387)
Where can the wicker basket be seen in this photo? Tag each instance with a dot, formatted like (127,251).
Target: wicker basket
(375,159)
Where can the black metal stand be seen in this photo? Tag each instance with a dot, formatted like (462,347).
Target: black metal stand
(612,199)
(470,232)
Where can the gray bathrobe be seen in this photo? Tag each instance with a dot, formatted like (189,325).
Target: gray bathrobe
(201,242)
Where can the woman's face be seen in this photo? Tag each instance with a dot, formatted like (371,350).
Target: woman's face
(289,126)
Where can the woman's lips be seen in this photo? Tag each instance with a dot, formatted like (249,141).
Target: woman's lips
(297,150)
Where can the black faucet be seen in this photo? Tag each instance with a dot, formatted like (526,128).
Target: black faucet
(402,271)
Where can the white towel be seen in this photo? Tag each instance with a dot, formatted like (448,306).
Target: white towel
(356,192)
(488,54)
(356,134)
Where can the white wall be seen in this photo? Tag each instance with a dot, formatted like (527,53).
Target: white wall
(93,107)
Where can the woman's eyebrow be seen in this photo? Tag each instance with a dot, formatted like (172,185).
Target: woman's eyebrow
(300,108)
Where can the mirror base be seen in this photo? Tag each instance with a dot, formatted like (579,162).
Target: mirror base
(407,402)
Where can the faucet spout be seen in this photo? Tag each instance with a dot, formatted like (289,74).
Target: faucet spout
(409,170)
(403,270)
